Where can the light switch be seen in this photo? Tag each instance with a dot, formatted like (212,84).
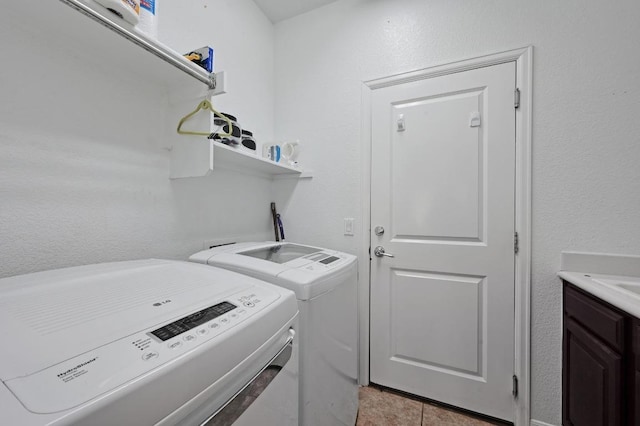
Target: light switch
(348,225)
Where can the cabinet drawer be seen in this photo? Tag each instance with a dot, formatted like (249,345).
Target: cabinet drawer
(598,318)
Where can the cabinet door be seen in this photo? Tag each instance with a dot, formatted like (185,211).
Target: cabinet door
(634,405)
(634,374)
(592,379)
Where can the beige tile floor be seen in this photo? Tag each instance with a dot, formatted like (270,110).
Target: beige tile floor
(380,407)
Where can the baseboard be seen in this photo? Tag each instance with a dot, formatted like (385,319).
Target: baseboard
(539,423)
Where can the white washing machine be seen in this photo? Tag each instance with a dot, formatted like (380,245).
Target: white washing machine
(147,343)
(325,283)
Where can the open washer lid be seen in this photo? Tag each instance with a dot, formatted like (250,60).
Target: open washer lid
(306,270)
(281,253)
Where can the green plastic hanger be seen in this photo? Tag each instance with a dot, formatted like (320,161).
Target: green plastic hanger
(206,106)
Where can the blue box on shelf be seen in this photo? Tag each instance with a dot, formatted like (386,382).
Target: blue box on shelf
(203,57)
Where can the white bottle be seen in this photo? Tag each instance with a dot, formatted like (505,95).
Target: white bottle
(148,18)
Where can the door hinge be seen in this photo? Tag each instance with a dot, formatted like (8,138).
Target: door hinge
(516,100)
(516,243)
(514,392)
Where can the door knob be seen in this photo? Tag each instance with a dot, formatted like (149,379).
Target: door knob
(379,251)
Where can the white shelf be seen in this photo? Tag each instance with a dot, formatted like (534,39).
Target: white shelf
(104,39)
(199,158)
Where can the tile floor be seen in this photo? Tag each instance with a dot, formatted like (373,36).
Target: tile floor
(380,407)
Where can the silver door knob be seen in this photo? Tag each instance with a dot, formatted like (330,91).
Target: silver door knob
(379,251)
(379,230)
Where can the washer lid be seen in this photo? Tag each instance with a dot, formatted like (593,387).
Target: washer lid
(49,317)
(308,271)
(280,253)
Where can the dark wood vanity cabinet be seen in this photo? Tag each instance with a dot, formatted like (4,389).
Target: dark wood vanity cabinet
(600,362)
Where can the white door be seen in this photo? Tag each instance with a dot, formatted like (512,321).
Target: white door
(443,182)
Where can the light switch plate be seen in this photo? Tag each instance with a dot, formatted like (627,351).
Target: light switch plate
(348,225)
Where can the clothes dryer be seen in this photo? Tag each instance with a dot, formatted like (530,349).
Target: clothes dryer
(325,284)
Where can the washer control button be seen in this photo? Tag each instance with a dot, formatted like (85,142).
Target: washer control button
(147,356)
(174,345)
(249,304)
(214,325)
(224,320)
(202,331)
(189,338)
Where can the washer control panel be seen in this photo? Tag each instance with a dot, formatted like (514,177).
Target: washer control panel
(193,320)
(93,373)
(322,262)
(209,322)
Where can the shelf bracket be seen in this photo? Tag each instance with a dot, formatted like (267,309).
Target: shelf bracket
(212,81)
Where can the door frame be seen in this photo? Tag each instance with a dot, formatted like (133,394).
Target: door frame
(523,58)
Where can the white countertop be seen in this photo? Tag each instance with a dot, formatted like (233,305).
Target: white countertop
(598,274)
(596,284)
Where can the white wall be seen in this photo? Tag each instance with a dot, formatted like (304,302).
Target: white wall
(243,41)
(586,143)
(81,183)
(84,160)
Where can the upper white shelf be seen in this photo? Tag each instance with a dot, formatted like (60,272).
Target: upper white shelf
(94,34)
